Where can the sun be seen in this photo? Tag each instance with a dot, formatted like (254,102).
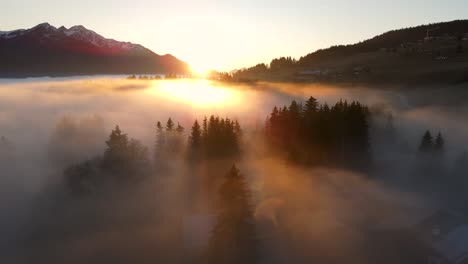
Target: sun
(199,70)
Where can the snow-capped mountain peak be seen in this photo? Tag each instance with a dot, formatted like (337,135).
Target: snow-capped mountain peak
(44,26)
(78,32)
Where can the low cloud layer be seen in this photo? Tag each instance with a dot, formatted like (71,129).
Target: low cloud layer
(51,124)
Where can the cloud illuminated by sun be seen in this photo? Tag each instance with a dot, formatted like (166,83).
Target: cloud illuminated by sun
(198,93)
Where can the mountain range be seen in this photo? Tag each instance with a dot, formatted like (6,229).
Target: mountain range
(45,50)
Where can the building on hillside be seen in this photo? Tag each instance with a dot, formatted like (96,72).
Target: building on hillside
(465,37)
(312,74)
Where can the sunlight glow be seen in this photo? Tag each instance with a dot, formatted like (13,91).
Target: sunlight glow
(200,71)
(200,93)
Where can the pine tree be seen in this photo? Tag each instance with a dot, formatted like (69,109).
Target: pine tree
(233,239)
(274,114)
(159,145)
(116,145)
(311,106)
(124,157)
(174,138)
(195,140)
(237,129)
(294,110)
(205,128)
(427,143)
(169,125)
(439,143)
(180,129)
(326,108)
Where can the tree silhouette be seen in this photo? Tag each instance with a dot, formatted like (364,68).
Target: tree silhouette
(205,128)
(124,157)
(427,143)
(233,239)
(117,146)
(180,129)
(169,125)
(439,143)
(159,136)
(311,106)
(174,140)
(237,129)
(159,145)
(195,141)
(123,160)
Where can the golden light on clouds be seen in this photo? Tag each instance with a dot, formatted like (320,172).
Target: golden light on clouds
(200,93)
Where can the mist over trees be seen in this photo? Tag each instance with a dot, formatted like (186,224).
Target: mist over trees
(128,159)
(124,160)
(233,238)
(136,187)
(309,135)
(75,139)
(169,143)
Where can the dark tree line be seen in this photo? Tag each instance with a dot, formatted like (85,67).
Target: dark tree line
(316,134)
(214,138)
(430,145)
(128,159)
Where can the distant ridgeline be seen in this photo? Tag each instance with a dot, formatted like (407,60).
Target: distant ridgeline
(423,54)
(45,50)
(316,134)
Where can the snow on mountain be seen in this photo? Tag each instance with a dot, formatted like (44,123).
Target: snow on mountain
(45,50)
(79,32)
(11,34)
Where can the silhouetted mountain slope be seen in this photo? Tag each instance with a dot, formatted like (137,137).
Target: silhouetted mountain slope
(391,39)
(423,54)
(48,51)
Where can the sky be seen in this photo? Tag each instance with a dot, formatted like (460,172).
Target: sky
(227,35)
